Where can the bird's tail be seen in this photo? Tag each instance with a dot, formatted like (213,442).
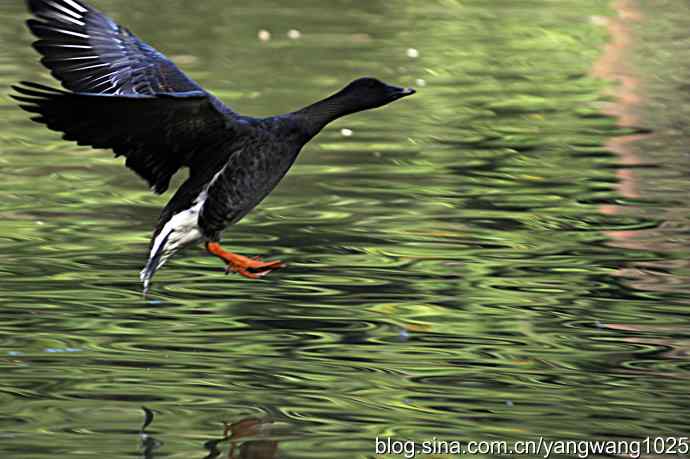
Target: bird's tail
(179,231)
(156,259)
(146,275)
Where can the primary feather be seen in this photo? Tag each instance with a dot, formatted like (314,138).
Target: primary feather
(150,112)
(158,134)
(89,52)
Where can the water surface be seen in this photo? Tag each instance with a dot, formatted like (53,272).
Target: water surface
(502,256)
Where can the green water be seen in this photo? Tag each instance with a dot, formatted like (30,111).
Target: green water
(482,261)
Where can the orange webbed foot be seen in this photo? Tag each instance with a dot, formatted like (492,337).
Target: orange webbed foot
(251,268)
(254,269)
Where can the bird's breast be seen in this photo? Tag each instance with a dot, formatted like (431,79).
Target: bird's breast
(248,177)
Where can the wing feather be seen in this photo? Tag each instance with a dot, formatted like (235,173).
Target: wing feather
(124,94)
(89,52)
(157,134)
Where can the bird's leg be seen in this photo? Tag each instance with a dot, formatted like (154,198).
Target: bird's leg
(248,267)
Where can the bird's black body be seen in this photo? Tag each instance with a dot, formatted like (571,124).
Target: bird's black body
(249,167)
(124,95)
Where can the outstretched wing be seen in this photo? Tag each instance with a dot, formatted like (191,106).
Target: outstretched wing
(89,52)
(158,134)
(125,96)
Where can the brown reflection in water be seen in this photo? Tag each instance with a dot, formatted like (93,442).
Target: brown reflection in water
(246,439)
(628,107)
(613,65)
(254,449)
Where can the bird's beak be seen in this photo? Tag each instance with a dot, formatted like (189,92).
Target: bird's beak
(399,93)
(407,92)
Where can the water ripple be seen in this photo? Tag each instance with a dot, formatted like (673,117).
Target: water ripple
(491,259)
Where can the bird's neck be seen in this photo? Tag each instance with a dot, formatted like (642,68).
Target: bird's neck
(315,117)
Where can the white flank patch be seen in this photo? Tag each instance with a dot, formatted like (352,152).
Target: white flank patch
(181,230)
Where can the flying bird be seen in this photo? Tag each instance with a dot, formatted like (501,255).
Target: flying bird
(122,94)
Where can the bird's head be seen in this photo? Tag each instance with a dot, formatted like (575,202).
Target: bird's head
(367,93)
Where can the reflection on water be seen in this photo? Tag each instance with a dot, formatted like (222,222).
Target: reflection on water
(244,439)
(504,257)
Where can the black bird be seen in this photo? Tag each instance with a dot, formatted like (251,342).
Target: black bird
(124,95)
